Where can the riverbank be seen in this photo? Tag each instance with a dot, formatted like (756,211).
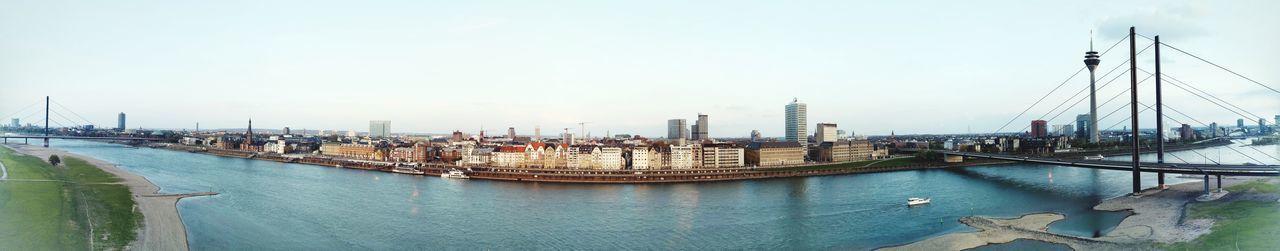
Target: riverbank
(604,176)
(996,231)
(162,227)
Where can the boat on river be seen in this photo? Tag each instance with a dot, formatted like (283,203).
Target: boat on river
(455,174)
(407,170)
(1095,157)
(917,201)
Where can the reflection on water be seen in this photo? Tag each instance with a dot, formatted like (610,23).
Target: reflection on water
(269,205)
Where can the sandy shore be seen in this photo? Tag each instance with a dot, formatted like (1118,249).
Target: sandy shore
(1159,215)
(995,231)
(162,227)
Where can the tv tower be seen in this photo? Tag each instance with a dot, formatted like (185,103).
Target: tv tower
(1091,60)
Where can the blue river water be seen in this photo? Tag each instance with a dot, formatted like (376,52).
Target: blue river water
(272,206)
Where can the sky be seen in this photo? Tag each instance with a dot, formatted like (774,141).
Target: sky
(872,67)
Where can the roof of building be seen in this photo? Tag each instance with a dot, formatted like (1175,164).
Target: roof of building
(759,145)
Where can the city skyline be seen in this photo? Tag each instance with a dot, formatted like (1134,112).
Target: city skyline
(739,72)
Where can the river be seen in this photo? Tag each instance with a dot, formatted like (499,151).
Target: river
(267,205)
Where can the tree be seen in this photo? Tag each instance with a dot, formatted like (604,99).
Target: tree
(53,159)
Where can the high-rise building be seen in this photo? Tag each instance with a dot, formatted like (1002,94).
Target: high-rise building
(1262,126)
(1213,129)
(511,132)
(755,135)
(1039,129)
(1240,123)
(824,132)
(379,128)
(796,119)
(537,133)
(286,130)
(1186,133)
(676,129)
(700,128)
(120,122)
(1064,130)
(14,123)
(1082,126)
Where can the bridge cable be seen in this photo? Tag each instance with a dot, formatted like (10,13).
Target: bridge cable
(23,109)
(1201,96)
(65,119)
(1184,83)
(1214,64)
(1064,110)
(1206,125)
(72,112)
(1064,82)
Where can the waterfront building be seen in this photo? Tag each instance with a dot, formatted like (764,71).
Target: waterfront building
(860,150)
(676,129)
(249,143)
(120,123)
(797,122)
(722,156)
(1038,129)
(402,154)
(508,156)
(681,157)
(351,151)
(379,128)
(774,154)
(825,132)
(573,157)
(610,158)
(640,158)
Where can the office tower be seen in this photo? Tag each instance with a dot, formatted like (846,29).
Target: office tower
(511,132)
(1213,129)
(1262,126)
(537,133)
(824,132)
(286,130)
(14,122)
(796,119)
(676,129)
(120,122)
(1091,60)
(1186,132)
(568,138)
(1064,130)
(755,135)
(1240,123)
(1038,129)
(700,128)
(1082,126)
(379,128)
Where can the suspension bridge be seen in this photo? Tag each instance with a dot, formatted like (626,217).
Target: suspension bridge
(1133,136)
(79,122)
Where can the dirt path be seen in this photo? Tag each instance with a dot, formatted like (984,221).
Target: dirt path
(162,227)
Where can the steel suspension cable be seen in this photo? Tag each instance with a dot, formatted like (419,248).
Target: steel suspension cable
(1215,65)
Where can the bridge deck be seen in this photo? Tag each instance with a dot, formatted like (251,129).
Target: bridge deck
(1180,168)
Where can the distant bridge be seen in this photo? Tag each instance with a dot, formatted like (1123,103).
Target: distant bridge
(6,138)
(1154,167)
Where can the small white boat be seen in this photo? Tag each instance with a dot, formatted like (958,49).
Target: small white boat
(407,170)
(455,174)
(917,201)
(1095,157)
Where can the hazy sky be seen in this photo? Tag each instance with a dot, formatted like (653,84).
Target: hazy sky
(439,66)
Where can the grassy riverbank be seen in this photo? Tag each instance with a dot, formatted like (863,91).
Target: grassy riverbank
(74,206)
(1249,220)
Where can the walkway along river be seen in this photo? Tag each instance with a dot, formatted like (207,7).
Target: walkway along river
(272,205)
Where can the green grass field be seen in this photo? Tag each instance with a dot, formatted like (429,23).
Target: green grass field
(1239,225)
(56,214)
